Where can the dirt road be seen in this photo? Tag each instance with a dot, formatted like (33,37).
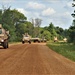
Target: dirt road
(33,59)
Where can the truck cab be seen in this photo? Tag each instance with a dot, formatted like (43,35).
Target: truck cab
(26,38)
(4,36)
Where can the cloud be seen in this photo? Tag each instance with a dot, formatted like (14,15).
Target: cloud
(23,11)
(29,14)
(63,20)
(35,5)
(52,1)
(67,14)
(69,4)
(7,1)
(56,11)
(48,12)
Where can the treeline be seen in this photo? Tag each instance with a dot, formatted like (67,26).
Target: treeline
(17,24)
(62,33)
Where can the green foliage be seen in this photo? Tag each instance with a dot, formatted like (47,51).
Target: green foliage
(47,35)
(22,29)
(0,16)
(72,34)
(17,17)
(9,20)
(17,24)
(52,30)
(72,28)
(56,31)
(59,30)
(29,28)
(36,32)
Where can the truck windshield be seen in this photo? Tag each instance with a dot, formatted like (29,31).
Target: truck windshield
(0,31)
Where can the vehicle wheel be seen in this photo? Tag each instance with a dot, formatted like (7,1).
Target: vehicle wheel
(29,42)
(23,42)
(34,41)
(38,41)
(5,44)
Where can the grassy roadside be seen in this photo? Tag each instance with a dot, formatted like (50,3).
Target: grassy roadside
(65,49)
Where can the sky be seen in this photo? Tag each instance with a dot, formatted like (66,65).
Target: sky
(56,11)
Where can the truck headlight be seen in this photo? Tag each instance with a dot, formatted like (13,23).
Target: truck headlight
(2,40)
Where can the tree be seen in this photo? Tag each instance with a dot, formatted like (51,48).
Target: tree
(0,16)
(51,29)
(72,28)
(10,19)
(36,23)
(60,32)
(47,35)
(29,28)
(73,4)
(72,34)
(8,24)
(23,28)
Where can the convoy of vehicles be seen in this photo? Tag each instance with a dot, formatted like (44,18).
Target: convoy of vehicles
(27,38)
(4,37)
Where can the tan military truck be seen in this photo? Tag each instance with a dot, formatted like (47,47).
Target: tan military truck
(36,40)
(43,40)
(4,36)
(26,38)
(55,39)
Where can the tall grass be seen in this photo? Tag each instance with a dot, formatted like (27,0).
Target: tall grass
(65,49)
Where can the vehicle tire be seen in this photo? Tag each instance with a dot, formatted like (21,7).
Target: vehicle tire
(5,44)
(34,41)
(38,41)
(29,42)
(23,42)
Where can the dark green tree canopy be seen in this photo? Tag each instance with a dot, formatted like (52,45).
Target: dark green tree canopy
(9,19)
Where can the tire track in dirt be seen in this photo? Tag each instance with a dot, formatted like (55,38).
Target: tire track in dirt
(30,63)
(34,59)
(12,57)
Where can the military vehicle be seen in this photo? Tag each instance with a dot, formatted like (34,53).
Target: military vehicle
(4,36)
(26,38)
(36,40)
(55,39)
(43,40)
(65,39)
